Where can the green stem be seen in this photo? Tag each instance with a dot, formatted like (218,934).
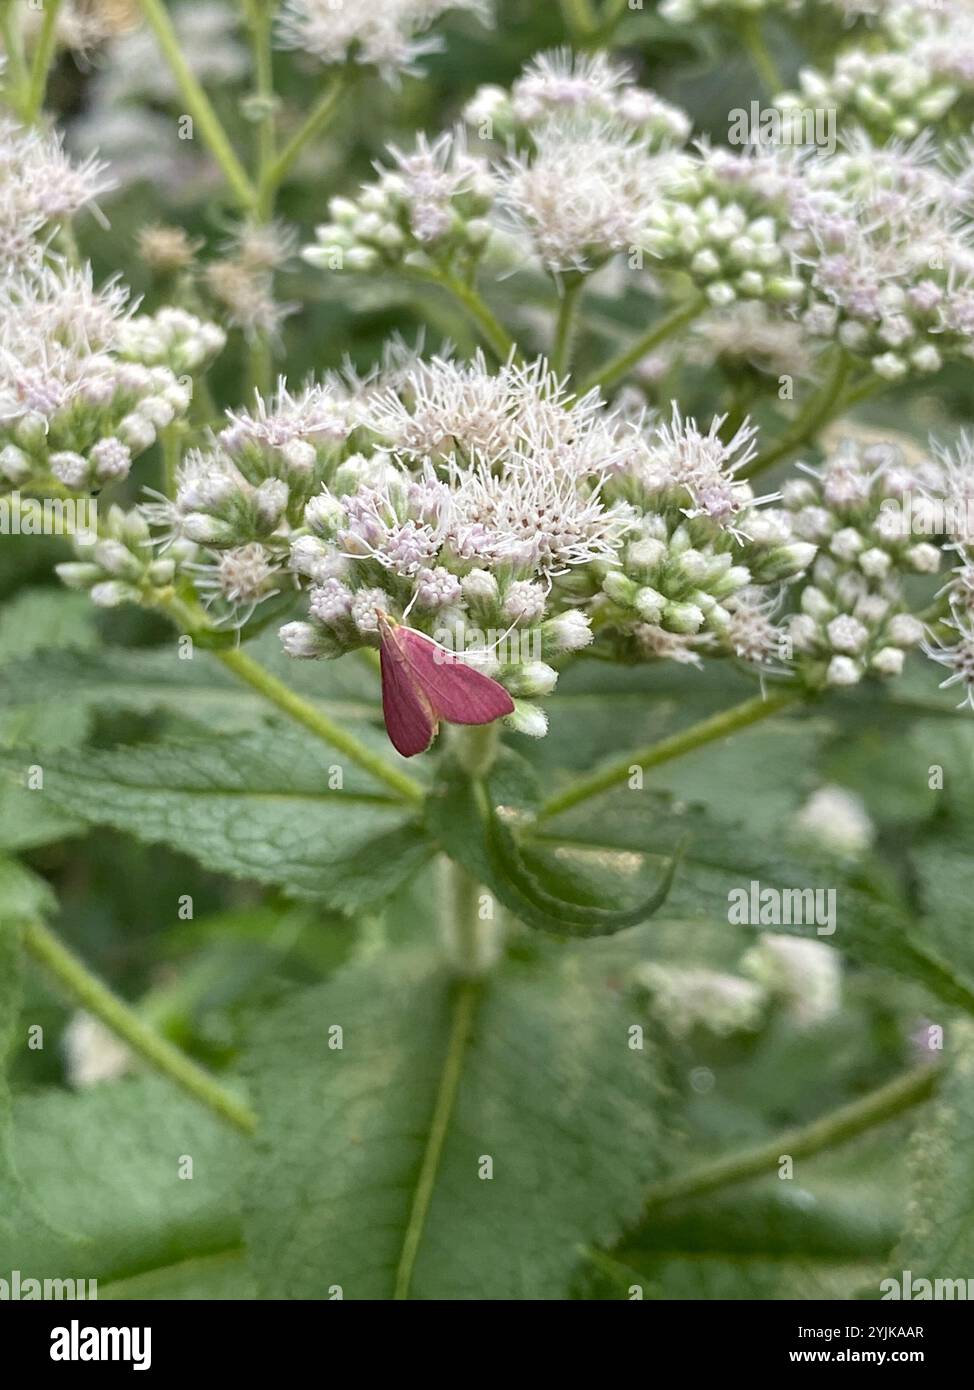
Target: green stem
(464,1009)
(13,43)
(849,1121)
(472,941)
(611,17)
(579,19)
(94,996)
(313,719)
(564,330)
(198,103)
(171,442)
(754,42)
(317,120)
(495,334)
(821,407)
(861,391)
(260,19)
(43,57)
(718,726)
(617,367)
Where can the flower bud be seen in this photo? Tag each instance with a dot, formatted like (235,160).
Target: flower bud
(527,719)
(307,642)
(534,678)
(568,632)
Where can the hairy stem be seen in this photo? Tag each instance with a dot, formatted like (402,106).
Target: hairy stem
(41,65)
(317,722)
(663,328)
(198,103)
(879,1106)
(718,726)
(820,408)
(78,981)
(318,119)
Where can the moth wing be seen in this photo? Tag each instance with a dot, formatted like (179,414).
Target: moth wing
(410,720)
(457,692)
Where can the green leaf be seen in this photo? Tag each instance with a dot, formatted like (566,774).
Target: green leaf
(45,620)
(23,894)
(257,806)
(40,625)
(146,682)
(532,1069)
(826,1232)
(939,1239)
(463,815)
(873,923)
(11,987)
(104,1167)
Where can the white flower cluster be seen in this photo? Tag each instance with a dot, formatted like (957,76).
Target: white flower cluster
(251,486)
(951,643)
(474,506)
(803,977)
(886,237)
(583,191)
(171,338)
(121,566)
(855,616)
(702,559)
(85,385)
(428,209)
(687,998)
(388,34)
(870,246)
(41,189)
(498,503)
(563,84)
(75,411)
(722,218)
(902,77)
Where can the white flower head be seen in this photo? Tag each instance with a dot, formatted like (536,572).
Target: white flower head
(805,975)
(583,193)
(837,820)
(388,34)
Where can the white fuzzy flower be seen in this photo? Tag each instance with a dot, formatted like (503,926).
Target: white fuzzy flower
(805,975)
(583,193)
(92,1053)
(837,820)
(684,998)
(388,34)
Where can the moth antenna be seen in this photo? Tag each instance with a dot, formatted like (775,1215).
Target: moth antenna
(485,651)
